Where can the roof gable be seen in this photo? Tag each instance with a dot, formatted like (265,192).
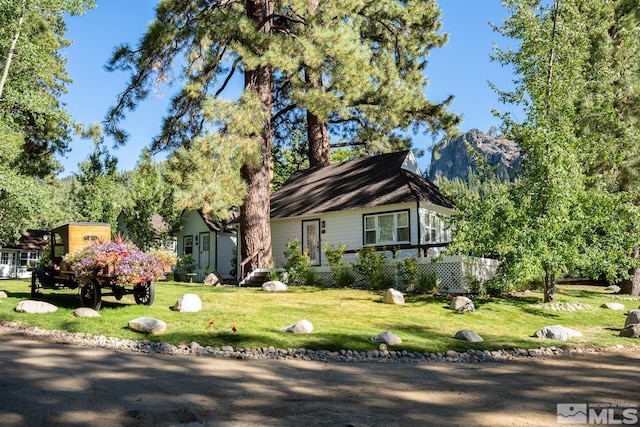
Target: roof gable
(360,183)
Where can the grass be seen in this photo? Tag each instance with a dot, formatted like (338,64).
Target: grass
(342,318)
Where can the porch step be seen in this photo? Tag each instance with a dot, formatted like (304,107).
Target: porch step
(256,278)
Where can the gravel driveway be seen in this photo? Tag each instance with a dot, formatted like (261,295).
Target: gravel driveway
(45,384)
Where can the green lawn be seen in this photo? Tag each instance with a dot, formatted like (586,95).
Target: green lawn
(342,318)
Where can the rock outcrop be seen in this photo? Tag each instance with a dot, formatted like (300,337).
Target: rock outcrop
(451,158)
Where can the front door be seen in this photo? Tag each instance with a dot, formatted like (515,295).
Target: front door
(205,247)
(311,240)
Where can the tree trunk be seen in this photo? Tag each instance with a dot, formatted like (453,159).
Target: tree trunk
(318,136)
(549,284)
(317,132)
(255,214)
(12,48)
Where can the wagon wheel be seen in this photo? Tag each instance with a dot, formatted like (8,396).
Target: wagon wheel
(90,295)
(144,293)
(36,286)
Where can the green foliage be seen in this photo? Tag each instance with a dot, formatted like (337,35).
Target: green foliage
(99,195)
(298,271)
(371,268)
(185,264)
(427,282)
(340,270)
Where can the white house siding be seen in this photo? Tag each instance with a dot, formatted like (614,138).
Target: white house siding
(341,227)
(193,225)
(224,248)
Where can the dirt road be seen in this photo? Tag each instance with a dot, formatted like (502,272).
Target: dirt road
(44,384)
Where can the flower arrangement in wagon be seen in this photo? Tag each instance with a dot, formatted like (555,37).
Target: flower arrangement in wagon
(123,262)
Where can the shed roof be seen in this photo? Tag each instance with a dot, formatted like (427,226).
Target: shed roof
(360,183)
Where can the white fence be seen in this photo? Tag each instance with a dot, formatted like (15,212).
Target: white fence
(456,274)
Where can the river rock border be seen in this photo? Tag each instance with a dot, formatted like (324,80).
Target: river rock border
(376,356)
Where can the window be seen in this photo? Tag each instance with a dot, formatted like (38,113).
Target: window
(436,230)
(392,227)
(28,258)
(205,242)
(4,258)
(188,245)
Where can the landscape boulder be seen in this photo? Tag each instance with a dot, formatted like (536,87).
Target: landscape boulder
(631,331)
(632,318)
(213,279)
(35,307)
(613,288)
(387,337)
(466,335)
(301,327)
(148,325)
(188,303)
(274,286)
(392,296)
(85,312)
(3,294)
(616,306)
(462,304)
(557,332)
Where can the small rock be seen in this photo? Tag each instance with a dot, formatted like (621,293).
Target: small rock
(616,306)
(462,304)
(148,325)
(274,286)
(387,337)
(392,296)
(452,354)
(631,331)
(557,332)
(188,303)
(213,279)
(35,307)
(3,294)
(613,288)
(85,312)
(301,327)
(467,335)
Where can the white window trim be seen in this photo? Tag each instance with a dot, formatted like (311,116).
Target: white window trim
(377,228)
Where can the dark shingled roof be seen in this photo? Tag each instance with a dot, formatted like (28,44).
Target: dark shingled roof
(32,240)
(220,226)
(360,183)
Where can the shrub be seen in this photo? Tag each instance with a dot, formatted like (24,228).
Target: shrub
(340,270)
(297,267)
(371,266)
(427,282)
(407,270)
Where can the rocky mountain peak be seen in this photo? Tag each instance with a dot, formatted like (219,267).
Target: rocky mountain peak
(451,157)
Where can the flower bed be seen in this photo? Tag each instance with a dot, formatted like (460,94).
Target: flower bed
(123,262)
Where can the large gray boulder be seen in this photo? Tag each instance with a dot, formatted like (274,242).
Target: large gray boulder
(148,325)
(213,279)
(557,332)
(615,306)
(301,327)
(462,304)
(392,296)
(188,303)
(631,331)
(632,318)
(274,286)
(85,312)
(3,294)
(387,337)
(466,335)
(35,307)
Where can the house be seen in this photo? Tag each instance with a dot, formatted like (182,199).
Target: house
(381,201)
(159,228)
(211,243)
(16,260)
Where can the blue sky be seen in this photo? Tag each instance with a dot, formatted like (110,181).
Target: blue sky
(461,68)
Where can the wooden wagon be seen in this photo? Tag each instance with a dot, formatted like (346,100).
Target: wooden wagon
(72,237)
